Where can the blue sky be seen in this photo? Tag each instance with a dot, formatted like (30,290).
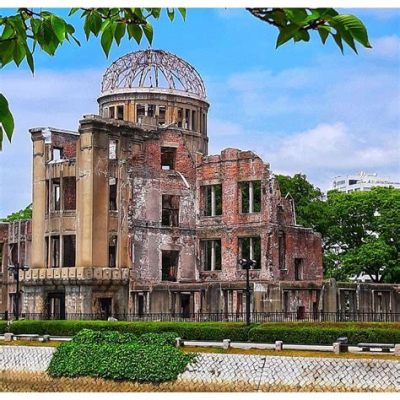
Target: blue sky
(303,108)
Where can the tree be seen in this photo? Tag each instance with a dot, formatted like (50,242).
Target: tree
(28,31)
(303,194)
(363,234)
(375,258)
(26,213)
(360,230)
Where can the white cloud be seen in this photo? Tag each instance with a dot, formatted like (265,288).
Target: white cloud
(386,46)
(224,128)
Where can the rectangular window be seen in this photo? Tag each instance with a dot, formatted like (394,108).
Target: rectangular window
(69,251)
(56,194)
(161,115)
(57,153)
(180,117)
(69,193)
(112,194)
(46,255)
(151,110)
(250,197)
(298,269)
(55,251)
(169,267)
(120,112)
(140,112)
(282,250)
(211,255)
(168,155)
(47,195)
(170,210)
(187,119)
(212,197)
(193,120)
(111,112)
(112,252)
(112,149)
(250,248)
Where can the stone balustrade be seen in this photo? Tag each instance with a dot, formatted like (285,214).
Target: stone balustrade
(73,274)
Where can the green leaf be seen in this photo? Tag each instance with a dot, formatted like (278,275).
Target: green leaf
(183,13)
(29,59)
(35,25)
(7,32)
(6,52)
(355,27)
(286,33)
(19,54)
(348,38)
(86,26)
(155,12)
(296,15)
(135,32)
(6,118)
(58,26)
(338,40)
(72,11)
(148,31)
(119,32)
(106,39)
(323,31)
(171,14)
(301,35)
(93,24)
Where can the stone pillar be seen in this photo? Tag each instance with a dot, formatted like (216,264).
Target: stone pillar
(92,196)
(38,198)
(279,345)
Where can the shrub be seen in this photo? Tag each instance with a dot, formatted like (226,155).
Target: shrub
(187,330)
(318,333)
(89,336)
(291,332)
(142,363)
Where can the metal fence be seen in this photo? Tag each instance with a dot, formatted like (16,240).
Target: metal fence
(255,317)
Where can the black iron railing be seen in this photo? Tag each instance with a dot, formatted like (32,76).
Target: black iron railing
(259,317)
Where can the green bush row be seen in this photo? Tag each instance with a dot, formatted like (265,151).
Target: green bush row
(89,336)
(142,363)
(320,334)
(291,332)
(187,330)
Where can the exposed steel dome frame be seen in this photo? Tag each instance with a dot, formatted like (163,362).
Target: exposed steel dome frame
(155,70)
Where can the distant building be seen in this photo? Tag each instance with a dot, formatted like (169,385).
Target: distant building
(361,182)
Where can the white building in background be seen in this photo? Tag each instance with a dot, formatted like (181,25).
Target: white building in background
(361,182)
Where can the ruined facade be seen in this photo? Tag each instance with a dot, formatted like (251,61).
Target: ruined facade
(132,216)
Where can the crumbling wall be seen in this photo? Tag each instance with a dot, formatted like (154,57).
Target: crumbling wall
(65,141)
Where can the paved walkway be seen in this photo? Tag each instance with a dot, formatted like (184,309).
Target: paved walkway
(254,372)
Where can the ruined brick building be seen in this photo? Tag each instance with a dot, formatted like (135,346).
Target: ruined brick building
(131,214)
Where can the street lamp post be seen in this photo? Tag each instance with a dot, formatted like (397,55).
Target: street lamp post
(247,264)
(14,270)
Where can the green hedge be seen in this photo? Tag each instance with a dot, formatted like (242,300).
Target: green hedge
(89,336)
(298,333)
(187,330)
(142,363)
(291,332)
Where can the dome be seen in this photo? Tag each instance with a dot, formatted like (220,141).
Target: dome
(153,70)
